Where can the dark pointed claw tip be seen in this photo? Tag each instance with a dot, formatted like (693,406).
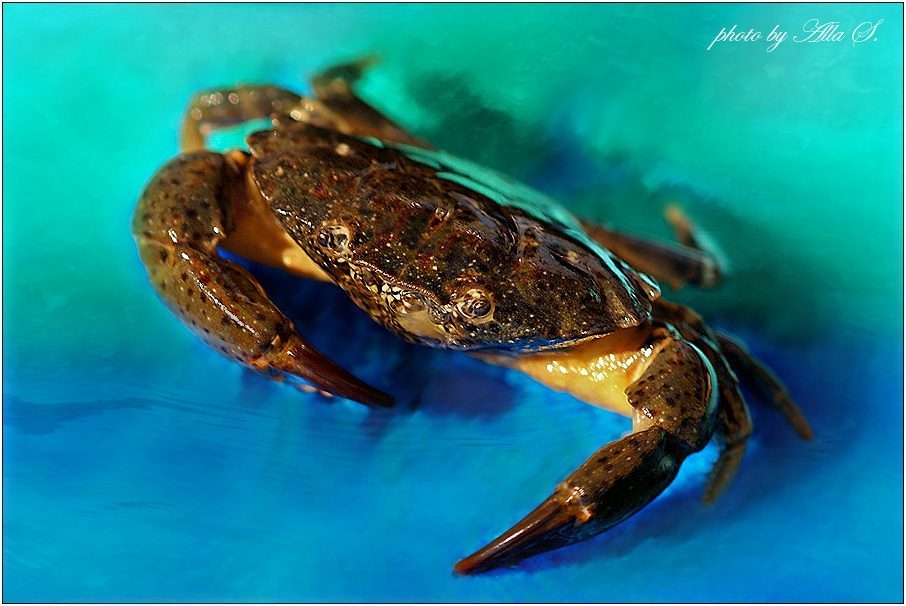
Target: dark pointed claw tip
(468,566)
(356,390)
(477,563)
(380,400)
(548,527)
(299,359)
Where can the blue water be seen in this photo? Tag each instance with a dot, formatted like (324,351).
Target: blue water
(140,466)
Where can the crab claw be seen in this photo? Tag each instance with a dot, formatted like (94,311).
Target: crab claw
(291,355)
(617,481)
(675,407)
(182,217)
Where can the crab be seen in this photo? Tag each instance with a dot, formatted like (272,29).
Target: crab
(449,254)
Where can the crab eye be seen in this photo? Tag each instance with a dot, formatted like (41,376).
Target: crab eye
(475,305)
(334,238)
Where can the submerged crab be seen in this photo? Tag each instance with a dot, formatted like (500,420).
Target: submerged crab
(448,254)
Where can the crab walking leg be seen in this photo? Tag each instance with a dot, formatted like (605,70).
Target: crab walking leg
(212,109)
(756,373)
(674,404)
(729,352)
(180,219)
(225,107)
(732,428)
(734,423)
(732,431)
(333,88)
(675,264)
(689,234)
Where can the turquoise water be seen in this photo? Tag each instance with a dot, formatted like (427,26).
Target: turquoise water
(139,466)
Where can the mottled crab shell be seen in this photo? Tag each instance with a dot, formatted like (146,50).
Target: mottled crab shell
(440,250)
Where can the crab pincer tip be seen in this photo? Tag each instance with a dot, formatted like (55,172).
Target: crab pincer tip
(356,390)
(548,527)
(381,400)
